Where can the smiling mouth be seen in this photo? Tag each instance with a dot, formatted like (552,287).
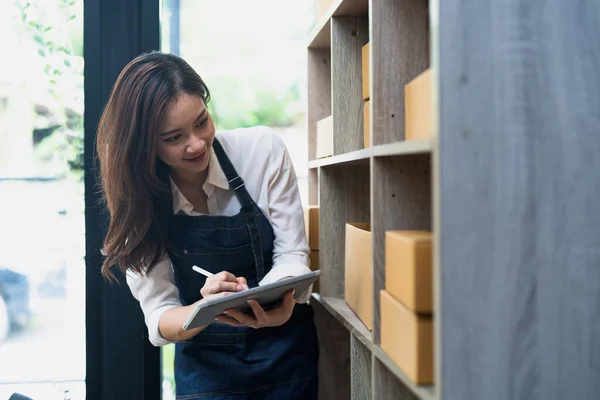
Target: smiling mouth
(197,158)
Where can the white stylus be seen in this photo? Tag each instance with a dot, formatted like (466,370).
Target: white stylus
(202,271)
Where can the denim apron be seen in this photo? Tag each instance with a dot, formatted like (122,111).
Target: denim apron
(226,362)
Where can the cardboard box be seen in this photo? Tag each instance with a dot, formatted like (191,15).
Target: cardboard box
(358,291)
(418,108)
(314,265)
(322,7)
(409,268)
(367,123)
(407,338)
(325,137)
(366,89)
(311,223)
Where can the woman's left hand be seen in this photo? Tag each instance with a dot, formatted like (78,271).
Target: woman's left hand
(261,319)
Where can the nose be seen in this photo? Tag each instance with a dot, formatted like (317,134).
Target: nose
(195,145)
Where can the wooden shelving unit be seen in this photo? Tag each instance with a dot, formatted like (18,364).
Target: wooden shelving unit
(511,167)
(388,184)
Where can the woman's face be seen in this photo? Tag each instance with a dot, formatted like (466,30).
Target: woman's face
(185,138)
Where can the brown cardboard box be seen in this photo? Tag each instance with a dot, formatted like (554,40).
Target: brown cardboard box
(418,107)
(408,268)
(407,338)
(367,124)
(325,137)
(322,7)
(311,223)
(358,291)
(314,265)
(365,73)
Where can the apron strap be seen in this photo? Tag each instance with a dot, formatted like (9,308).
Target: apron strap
(236,183)
(249,207)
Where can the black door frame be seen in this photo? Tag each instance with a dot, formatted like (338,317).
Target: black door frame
(120,361)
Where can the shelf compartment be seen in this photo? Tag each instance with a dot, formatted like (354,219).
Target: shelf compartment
(348,36)
(402,192)
(390,382)
(344,197)
(319,93)
(399,52)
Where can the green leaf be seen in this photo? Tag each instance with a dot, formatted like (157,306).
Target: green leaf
(38,40)
(52,81)
(72,17)
(67,62)
(42,53)
(47,29)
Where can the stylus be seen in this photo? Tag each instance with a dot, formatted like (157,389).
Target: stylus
(202,271)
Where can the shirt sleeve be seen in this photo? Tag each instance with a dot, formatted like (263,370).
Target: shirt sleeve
(290,248)
(156,292)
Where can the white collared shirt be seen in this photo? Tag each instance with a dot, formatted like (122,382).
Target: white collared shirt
(262,161)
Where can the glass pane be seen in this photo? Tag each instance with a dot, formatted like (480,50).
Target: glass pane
(42,270)
(252,56)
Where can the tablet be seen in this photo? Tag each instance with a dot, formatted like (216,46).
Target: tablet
(268,296)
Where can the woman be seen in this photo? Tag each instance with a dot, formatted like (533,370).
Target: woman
(180,195)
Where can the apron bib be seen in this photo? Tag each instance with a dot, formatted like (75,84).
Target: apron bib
(227,362)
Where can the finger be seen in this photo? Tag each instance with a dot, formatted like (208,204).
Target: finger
(242,281)
(222,286)
(228,320)
(215,295)
(242,318)
(259,312)
(224,276)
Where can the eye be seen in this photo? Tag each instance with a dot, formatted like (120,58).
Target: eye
(203,122)
(172,139)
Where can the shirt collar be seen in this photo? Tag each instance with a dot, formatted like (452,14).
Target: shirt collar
(215,178)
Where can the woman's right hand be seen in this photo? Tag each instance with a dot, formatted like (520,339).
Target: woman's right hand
(222,284)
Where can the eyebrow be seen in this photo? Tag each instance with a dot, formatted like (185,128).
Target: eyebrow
(178,129)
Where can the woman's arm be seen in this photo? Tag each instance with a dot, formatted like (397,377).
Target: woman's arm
(290,248)
(156,292)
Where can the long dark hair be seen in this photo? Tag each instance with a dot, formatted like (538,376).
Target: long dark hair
(134,181)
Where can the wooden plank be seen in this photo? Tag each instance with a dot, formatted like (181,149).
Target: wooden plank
(399,52)
(403,147)
(358,156)
(334,355)
(343,313)
(402,195)
(344,196)
(348,36)
(320,37)
(520,209)
(360,370)
(387,387)
(313,186)
(319,94)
